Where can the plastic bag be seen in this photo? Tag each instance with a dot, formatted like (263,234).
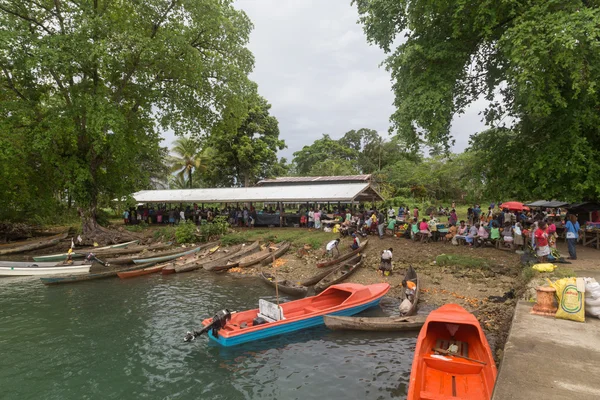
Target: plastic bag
(546,267)
(592,288)
(593,311)
(570,300)
(590,301)
(405,306)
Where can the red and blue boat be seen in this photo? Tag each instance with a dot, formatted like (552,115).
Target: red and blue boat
(345,299)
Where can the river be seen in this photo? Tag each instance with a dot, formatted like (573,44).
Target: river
(122,339)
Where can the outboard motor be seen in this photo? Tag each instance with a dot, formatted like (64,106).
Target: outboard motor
(218,321)
(92,257)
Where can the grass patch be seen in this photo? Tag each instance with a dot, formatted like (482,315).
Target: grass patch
(528,273)
(298,237)
(444,260)
(563,272)
(165,233)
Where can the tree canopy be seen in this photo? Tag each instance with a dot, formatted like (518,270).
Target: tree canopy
(536,63)
(86,86)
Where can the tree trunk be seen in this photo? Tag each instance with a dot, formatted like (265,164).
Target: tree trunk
(92,232)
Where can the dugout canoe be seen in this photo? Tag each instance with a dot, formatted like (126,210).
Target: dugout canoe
(316,278)
(88,277)
(284,285)
(34,244)
(231,261)
(131,259)
(166,258)
(453,359)
(45,271)
(82,253)
(343,257)
(277,254)
(211,259)
(190,260)
(262,255)
(412,296)
(340,273)
(342,299)
(374,324)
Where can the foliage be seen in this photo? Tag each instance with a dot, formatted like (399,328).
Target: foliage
(187,159)
(186,232)
(217,227)
(242,147)
(165,233)
(85,86)
(297,236)
(536,65)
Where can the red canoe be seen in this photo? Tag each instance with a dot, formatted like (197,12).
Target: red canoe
(139,272)
(468,371)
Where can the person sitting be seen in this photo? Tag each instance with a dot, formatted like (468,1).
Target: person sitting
(482,235)
(518,236)
(424,230)
(451,232)
(494,232)
(470,239)
(507,234)
(355,242)
(433,228)
(333,245)
(391,226)
(386,262)
(461,233)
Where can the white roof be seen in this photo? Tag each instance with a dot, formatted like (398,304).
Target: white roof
(291,194)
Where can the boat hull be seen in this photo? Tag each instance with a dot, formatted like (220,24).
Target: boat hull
(36,271)
(166,258)
(374,324)
(79,254)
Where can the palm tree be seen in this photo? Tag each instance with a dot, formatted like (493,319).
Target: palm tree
(188,157)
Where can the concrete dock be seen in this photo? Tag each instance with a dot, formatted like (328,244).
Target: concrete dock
(547,358)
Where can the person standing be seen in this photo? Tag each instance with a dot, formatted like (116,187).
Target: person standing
(317,216)
(311,218)
(416,213)
(572,229)
(541,241)
(391,212)
(182,216)
(380,224)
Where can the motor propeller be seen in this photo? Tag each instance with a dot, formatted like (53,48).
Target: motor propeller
(218,321)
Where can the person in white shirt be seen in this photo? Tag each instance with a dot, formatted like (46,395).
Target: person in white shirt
(331,246)
(386,262)
(182,216)
(311,218)
(391,213)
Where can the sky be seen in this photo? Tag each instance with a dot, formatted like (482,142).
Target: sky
(314,66)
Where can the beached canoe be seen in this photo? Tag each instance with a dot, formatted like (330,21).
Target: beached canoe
(88,277)
(342,299)
(188,260)
(34,264)
(140,272)
(374,324)
(82,253)
(45,271)
(340,273)
(277,254)
(131,259)
(262,255)
(313,280)
(343,257)
(34,244)
(166,258)
(233,260)
(407,293)
(215,256)
(452,359)
(284,285)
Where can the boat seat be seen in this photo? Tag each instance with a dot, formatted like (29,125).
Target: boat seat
(463,347)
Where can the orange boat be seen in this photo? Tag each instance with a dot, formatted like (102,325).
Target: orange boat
(453,359)
(139,272)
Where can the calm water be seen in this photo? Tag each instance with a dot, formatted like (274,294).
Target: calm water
(114,339)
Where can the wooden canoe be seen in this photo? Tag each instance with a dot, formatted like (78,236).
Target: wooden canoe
(340,273)
(89,277)
(375,324)
(131,259)
(316,278)
(34,264)
(262,255)
(46,271)
(189,261)
(278,253)
(343,257)
(82,253)
(167,257)
(212,258)
(231,261)
(411,275)
(34,244)
(284,285)
(156,268)
(439,375)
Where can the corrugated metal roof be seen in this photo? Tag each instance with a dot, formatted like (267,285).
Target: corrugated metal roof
(547,204)
(315,179)
(291,194)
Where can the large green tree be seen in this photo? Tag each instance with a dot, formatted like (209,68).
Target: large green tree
(536,63)
(243,146)
(87,86)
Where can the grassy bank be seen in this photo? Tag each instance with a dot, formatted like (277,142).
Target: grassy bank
(297,236)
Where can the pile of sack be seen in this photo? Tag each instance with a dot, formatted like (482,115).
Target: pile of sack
(592,297)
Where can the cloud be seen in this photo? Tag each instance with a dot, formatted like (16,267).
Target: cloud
(315,67)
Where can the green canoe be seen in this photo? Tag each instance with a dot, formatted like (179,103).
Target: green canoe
(82,252)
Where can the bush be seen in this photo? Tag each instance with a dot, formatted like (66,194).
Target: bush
(186,232)
(166,233)
(217,227)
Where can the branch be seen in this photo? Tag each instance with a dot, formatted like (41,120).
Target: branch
(11,84)
(26,18)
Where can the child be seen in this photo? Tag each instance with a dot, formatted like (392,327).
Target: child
(355,243)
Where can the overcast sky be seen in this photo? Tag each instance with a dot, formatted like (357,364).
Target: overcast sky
(314,66)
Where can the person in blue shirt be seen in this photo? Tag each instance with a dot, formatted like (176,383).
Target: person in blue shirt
(572,229)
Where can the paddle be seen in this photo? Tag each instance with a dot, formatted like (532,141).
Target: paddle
(447,353)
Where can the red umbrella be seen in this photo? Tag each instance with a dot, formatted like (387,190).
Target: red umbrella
(514,205)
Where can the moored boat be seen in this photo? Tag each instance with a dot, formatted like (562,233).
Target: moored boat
(45,271)
(410,291)
(340,273)
(284,285)
(374,324)
(343,257)
(213,258)
(277,254)
(262,255)
(230,329)
(140,272)
(34,264)
(82,253)
(232,260)
(317,277)
(88,277)
(167,257)
(452,358)
(33,244)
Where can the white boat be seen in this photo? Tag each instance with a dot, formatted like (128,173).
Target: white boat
(36,264)
(59,270)
(81,253)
